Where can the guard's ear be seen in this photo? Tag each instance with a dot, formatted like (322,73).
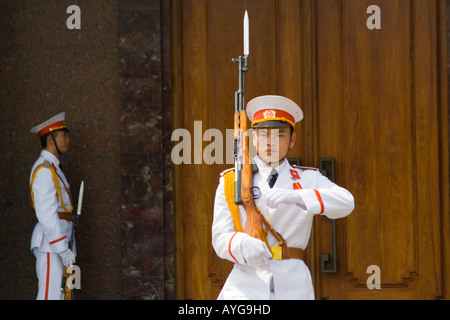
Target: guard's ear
(50,140)
(293,137)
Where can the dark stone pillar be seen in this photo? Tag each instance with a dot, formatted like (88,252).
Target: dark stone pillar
(144,54)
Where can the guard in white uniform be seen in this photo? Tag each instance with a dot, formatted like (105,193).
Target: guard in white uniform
(288,196)
(52,202)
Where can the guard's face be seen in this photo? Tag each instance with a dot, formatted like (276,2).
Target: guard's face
(62,139)
(273,144)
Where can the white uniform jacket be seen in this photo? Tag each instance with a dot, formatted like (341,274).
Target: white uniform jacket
(290,279)
(51,234)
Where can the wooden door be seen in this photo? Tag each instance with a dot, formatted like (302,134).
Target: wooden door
(374,101)
(380,98)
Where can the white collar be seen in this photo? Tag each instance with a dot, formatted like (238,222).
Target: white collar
(50,157)
(265,169)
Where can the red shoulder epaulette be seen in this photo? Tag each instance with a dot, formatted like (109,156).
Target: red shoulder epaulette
(305,168)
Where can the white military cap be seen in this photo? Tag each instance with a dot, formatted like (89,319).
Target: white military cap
(273,111)
(57,122)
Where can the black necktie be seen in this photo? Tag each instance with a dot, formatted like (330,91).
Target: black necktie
(272,178)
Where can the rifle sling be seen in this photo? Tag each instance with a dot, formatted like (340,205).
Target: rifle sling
(229,195)
(55,176)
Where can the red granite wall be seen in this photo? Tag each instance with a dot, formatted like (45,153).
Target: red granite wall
(146,118)
(109,78)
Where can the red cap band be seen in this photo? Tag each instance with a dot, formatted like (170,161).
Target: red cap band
(54,126)
(271,115)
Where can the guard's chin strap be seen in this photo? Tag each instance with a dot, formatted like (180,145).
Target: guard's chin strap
(56,145)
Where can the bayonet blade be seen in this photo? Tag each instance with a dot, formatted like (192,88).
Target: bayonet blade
(246,34)
(80,198)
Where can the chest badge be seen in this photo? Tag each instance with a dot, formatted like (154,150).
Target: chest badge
(296,186)
(294,174)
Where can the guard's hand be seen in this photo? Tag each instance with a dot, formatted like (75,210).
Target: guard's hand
(276,196)
(67,257)
(255,252)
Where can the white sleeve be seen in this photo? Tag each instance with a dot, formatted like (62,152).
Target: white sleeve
(225,240)
(46,207)
(327,198)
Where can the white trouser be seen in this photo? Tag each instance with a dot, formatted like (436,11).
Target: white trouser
(272,290)
(49,270)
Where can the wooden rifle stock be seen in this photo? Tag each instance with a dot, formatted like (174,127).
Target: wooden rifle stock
(67,290)
(243,167)
(254,221)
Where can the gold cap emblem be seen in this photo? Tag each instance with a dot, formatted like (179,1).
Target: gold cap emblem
(269,114)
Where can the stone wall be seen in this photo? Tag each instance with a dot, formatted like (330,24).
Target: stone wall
(112,77)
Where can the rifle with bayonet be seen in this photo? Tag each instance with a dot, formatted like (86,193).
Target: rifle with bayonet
(243,190)
(66,291)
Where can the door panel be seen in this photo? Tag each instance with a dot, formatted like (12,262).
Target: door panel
(374,100)
(378,93)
